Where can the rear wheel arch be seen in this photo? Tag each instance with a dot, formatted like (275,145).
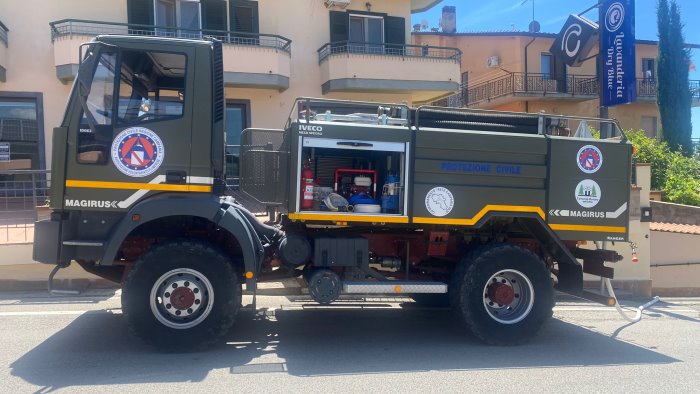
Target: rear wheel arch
(570,273)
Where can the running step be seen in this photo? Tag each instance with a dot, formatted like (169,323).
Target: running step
(394,287)
(79,242)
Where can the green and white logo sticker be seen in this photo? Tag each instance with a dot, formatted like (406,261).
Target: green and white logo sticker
(439,201)
(587,193)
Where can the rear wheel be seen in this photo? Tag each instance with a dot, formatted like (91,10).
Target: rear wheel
(181,296)
(506,295)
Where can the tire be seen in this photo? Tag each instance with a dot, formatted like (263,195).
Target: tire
(505,295)
(207,289)
(455,287)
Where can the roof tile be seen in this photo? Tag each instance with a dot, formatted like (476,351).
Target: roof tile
(675,228)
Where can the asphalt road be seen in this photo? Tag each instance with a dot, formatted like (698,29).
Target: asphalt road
(82,344)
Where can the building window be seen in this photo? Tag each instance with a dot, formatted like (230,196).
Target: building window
(649,69)
(244,16)
(368,29)
(546,66)
(367,33)
(237,120)
(20,136)
(650,126)
(185,14)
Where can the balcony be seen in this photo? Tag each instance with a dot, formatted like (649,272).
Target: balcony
(267,56)
(646,91)
(531,86)
(426,73)
(520,86)
(3,52)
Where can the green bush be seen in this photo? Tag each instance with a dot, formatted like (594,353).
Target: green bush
(678,175)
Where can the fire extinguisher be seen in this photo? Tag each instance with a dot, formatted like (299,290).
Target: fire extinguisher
(307,186)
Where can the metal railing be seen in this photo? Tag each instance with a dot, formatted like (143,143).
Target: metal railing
(70,27)
(3,34)
(404,50)
(694,89)
(530,83)
(21,192)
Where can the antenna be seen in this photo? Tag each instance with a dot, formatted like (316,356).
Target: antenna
(533,7)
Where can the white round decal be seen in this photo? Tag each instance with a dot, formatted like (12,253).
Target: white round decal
(614,17)
(439,201)
(587,193)
(137,152)
(589,159)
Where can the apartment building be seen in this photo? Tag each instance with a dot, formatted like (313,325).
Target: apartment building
(515,71)
(274,51)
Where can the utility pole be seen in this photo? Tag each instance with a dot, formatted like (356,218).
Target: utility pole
(605,129)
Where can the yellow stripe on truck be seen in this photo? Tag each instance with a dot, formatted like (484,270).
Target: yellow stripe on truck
(583,227)
(138,186)
(481,214)
(518,208)
(348,218)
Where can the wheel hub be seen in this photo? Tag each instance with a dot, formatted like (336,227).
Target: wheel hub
(508,296)
(501,293)
(181,298)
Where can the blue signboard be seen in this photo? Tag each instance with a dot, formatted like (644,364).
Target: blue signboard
(617,49)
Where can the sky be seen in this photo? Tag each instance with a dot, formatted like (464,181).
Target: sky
(506,15)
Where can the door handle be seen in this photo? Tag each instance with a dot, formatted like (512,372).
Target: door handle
(354,143)
(175,177)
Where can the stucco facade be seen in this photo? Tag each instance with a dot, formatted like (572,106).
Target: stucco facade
(554,88)
(266,66)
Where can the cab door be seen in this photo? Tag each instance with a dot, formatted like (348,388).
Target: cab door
(135,129)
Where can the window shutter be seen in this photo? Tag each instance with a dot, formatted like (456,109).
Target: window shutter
(244,16)
(140,12)
(214,15)
(395,33)
(340,25)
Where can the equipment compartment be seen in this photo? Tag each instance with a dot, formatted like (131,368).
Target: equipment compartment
(349,172)
(353,177)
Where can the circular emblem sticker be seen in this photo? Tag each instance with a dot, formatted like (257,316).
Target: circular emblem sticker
(587,193)
(137,152)
(439,201)
(589,159)
(614,17)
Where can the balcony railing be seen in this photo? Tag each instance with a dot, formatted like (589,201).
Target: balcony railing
(69,27)
(405,50)
(647,88)
(3,34)
(531,83)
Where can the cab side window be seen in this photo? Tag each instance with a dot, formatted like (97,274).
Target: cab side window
(93,144)
(151,87)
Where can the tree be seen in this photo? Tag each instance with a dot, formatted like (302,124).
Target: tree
(673,96)
(678,175)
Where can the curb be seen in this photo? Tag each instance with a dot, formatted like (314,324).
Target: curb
(81,284)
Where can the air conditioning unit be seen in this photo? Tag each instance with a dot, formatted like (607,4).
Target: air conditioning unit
(339,3)
(493,61)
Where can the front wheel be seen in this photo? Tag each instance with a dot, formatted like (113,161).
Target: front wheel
(181,296)
(506,295)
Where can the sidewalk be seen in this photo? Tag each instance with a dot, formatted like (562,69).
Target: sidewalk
(34,276)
